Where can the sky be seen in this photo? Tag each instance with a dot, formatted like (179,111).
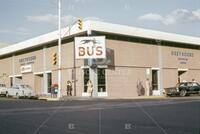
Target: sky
(24,19)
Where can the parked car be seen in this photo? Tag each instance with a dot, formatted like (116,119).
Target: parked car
(3,89)
(183,89)
(20,90)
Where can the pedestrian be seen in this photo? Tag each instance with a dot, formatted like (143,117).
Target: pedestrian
(69,88)
(140,88)
(52,91)
(148,87)
(90,87)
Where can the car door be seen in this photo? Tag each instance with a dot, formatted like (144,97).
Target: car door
(192,87)
(13,91)
(182,86)
(196,87)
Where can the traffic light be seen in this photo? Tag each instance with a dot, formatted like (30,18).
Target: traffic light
(54,58)
(80,24)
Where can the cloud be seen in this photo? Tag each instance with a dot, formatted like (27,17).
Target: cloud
(92,18)
(196,14)
(176,16)
(151,16)
(53,19)
(48,18)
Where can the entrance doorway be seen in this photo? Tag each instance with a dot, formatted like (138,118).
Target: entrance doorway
(39,83)
(180,74)
(101,81)
(11,81)
(154,80)
(49,82)
(18,80)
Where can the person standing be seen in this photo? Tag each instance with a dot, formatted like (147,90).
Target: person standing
(90,87)
(148,87)
(69,88)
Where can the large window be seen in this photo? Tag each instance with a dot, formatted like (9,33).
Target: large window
(86,78)
(101,80)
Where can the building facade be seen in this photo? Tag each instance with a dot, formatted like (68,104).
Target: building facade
(136,58)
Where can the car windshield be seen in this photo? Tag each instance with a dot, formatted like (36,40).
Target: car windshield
(181,85)
(195,84)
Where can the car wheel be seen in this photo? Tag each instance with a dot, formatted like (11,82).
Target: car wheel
(7,95)
(167,95)
(183,93)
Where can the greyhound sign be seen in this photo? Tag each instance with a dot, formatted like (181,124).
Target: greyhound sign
(90,47)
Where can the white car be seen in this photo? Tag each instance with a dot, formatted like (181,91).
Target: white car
(20,91)
(3,89)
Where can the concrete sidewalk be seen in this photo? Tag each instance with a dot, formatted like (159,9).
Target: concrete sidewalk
(69,98)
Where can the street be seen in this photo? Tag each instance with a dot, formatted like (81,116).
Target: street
(176,115)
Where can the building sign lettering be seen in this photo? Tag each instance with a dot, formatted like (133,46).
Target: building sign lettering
(90,47)
(182,56)
(27,60)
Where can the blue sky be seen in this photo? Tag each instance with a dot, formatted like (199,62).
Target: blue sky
(24,19)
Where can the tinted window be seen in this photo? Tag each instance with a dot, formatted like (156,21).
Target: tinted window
(194,84)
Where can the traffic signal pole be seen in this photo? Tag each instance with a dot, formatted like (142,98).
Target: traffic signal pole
(93,73)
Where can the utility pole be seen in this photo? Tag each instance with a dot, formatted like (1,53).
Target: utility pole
(93,73)
(59,49)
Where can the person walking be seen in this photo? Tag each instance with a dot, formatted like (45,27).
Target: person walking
(90,87)
(69,88)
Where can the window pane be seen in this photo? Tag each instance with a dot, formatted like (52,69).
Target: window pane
(101,80)
(86,78)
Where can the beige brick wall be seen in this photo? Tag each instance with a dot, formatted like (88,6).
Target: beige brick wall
(123,81)
(6,68)
(171,61)
(37,66)
(133,54)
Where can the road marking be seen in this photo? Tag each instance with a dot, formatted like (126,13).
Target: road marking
(46,120)
(99,121)
(152,119)
(91,107)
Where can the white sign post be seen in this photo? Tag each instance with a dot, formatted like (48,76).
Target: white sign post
(91,47)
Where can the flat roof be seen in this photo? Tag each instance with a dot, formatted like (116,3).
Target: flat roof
(100,27)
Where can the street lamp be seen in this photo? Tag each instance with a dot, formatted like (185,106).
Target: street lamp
(59,49)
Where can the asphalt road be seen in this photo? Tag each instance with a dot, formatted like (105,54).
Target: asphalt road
(164,116)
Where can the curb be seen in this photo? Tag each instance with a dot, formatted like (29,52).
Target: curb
(48,99)
(102,98)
